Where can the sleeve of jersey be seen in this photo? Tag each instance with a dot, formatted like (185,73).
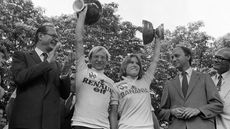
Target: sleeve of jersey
(148,78)
(114,96)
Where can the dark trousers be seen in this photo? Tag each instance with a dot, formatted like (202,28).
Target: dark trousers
(82,127)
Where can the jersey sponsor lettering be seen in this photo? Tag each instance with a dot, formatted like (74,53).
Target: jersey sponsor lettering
(99,86)
(132,90)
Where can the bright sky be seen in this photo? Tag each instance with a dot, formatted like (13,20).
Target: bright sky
(214,13)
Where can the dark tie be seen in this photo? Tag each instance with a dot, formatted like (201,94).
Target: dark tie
(219,82)
(45,55)
(184,83)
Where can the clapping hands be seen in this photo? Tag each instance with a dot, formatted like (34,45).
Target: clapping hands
(53,54)
(69,60)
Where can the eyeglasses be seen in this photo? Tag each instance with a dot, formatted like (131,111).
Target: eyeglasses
(220,58)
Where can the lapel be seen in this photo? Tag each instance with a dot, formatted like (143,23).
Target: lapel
(35,57)
(225,89)
(192,83)
(177,85)
(51,75)
(38,60)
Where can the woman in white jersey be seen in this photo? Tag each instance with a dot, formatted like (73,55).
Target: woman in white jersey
(93,87)
(133,102)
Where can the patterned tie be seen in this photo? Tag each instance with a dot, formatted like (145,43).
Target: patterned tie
(45,55)
(219,82)
(184,83)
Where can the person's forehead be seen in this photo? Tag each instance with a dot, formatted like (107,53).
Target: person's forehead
(223,53)
(177,50)
(51,30)
(99,53)
(133,58)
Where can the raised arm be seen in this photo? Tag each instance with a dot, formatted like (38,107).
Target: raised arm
(151,70)
(79,34)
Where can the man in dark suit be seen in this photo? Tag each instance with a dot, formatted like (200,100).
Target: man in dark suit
(40,84)
(3,58)
(190,100)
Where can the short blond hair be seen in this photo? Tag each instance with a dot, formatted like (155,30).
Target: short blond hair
(97,49)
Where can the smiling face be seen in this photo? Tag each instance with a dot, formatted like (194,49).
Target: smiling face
(132,68)
(98,60)
(221,61)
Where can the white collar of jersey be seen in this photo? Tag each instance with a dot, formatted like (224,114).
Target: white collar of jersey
(98,71)
(129,78)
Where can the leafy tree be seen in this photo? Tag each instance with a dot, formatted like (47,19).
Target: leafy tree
(19,20)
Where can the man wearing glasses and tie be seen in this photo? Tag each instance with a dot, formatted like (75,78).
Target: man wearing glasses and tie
(40,83)
(222,81)
(190,100)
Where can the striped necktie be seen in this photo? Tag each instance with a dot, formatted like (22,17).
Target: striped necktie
(219,82)
(45,55)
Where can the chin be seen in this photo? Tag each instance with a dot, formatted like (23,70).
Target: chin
(99,68)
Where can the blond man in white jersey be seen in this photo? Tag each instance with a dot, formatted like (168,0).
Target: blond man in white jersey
(93,87)
(132,101)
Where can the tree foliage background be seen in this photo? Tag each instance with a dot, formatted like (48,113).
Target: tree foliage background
(19,20)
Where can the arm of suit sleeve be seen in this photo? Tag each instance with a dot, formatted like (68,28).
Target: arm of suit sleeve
(155,121)
(164,112)
(65,84)
(214,104)
(22,73)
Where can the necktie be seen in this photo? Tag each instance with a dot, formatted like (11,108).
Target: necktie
(219,82)
(184,83)
(45,55)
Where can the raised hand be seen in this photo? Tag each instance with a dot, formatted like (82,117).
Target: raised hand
(80,24)
(53,54)
(69,60)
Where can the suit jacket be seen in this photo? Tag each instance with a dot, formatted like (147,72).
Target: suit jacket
(201,94)
(39,88)
(223,119)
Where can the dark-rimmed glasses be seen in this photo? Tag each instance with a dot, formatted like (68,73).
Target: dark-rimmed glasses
(220,59)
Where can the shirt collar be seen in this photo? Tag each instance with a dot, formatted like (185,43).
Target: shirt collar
(129,78)
(98,71)
(188,71)
(38,51)
(225,75)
